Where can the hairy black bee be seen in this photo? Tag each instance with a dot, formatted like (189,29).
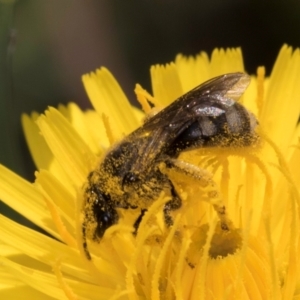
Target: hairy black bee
(129,176)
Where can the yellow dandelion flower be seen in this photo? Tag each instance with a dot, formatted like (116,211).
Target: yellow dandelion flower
(195,258)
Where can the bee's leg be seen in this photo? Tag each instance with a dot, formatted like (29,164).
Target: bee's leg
(173,204)
(190,173)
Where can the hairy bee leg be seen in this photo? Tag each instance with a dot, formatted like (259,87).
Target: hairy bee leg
(173,204)
(204,178)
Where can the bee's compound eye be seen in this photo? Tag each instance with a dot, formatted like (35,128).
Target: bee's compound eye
(108,218)
(104,214)
(129,178)
(105,220)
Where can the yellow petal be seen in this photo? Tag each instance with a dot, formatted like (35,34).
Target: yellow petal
(39,149)
(107,97)
(192,70)
(78,120)
(69,149)
(282,101)
(19,288)
(24,198)
(65,199)
(162,77)
(43,249)
(226,61)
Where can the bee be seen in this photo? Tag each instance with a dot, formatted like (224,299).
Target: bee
(130,177)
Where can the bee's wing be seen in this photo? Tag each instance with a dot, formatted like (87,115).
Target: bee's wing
(223,89)
(160,131)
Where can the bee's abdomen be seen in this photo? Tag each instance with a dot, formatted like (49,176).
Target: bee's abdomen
(232,128)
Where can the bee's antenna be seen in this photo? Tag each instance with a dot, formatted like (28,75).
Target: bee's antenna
(84,243)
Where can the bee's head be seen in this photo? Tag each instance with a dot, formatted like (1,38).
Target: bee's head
(104,215)
(99,215)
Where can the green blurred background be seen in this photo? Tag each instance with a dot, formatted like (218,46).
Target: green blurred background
(46,45)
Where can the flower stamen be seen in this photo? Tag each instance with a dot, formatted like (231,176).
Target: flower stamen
(62,283)
(159,286)
(284,169)
(144,98)
(65,235)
